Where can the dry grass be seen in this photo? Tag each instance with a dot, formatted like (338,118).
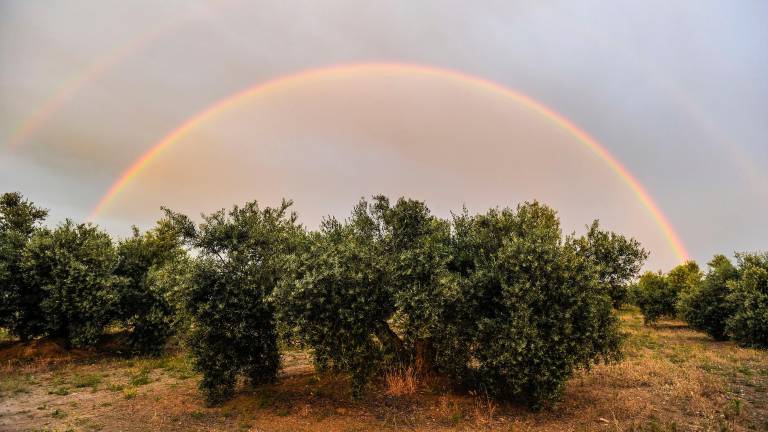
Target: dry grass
(401,381)
(672,379)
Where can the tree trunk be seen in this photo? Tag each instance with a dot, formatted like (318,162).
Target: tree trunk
(425,356)
(390,340)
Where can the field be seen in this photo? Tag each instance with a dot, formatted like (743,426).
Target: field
(672,379)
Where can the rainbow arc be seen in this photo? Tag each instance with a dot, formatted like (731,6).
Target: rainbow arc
(341,71)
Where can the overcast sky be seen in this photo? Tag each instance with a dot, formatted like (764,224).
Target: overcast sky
(676,91)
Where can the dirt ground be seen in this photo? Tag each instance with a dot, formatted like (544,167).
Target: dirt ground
(672,379)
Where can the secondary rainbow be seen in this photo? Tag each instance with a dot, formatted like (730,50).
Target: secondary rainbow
(340,71)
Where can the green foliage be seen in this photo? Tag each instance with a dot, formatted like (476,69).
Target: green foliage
(657,294)
(531,308)
(73,265)
(685,277)
(500,301)
(706,307)
(240,259)
(748,325)
(144,306)
(417,253)
(380,271)
(20,310)
(617,258)
(338,297)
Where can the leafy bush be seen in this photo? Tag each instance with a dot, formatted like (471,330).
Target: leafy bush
(617,258)
(500,301)
(73,265)
(532,305)
(338,300)
(706,307)
(20,310)
(657,294)
(749,295)
(362,280)
(143,306)
(240,259)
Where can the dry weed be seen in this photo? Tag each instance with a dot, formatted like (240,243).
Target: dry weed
(401,381)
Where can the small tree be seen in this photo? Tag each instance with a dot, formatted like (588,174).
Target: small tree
(532,305)
(748,325)
(143,307)
(654,297)
(20,301)
(657,294)
(240,259)
(339,300)
(73,265)
(684,278)
(706,307)
(416,255)
(499,302)
(618,260)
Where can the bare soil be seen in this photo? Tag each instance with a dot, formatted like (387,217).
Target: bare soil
(672,379)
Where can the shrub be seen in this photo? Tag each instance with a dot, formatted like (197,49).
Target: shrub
(706,307)
(73,265)
(240,259)
(143,306)
(20,310)
(498,301)
(367,291)
(532,308)
(338,298)
(749,295)
(618,261)
(654,297)
(657,294)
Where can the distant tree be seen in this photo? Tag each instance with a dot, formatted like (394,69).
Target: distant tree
(684,278)
(654,297)
(73,265)
(657,294)
(19,301)
(617,258)
(142,306)
(706,307)
(240,258)
(748,325)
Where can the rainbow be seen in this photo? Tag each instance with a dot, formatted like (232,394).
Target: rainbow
(340,71)
(90,74)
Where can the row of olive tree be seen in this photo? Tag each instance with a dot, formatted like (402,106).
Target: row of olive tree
(72,281)
(500,302)
(728,302)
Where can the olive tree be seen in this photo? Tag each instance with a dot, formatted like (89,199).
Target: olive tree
(73,266)
(143,307)
(338,298)
(501,302)
(20,301)
(706,307)
(240,258)
(532,307)
(618,260)
(748,325)
(657,294)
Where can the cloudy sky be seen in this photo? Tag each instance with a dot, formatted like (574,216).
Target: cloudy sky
(677,92)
